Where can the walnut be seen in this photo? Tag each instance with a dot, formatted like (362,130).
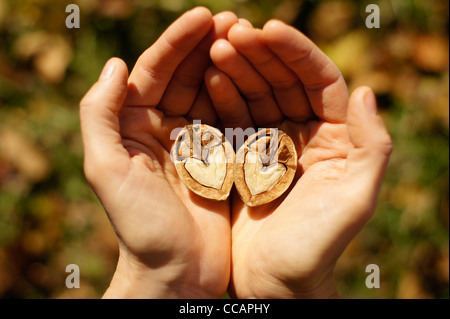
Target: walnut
(262,169)
(265,166)
(204,161)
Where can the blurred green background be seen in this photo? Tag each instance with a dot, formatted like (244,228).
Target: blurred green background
(49,217)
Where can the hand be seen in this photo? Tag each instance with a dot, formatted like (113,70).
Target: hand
(172,243)
(276,77)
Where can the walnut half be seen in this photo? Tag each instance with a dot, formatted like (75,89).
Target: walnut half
(204,161)
(265,166)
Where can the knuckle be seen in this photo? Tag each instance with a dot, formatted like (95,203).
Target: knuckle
(386,144)
(88,98)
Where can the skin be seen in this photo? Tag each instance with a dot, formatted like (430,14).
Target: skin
(289,248)
(172,242)
(175,244)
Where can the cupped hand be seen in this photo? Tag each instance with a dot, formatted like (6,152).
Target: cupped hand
(276,77)
(172,243)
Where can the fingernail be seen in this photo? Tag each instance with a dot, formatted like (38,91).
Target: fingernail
(371,102)
(108,70)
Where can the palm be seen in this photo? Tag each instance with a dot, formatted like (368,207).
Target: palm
(167,235)
(157,202)
(276,77)
(299,228)
(169,77)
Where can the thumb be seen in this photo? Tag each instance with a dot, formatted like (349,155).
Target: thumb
(102,142)
(372,146)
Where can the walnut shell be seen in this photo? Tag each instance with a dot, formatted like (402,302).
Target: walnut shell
(204,160)
(265,166)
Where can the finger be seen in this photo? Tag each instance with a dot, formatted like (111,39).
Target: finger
(147,125)
(230,107)
(287,87)
(250,83)
(99,121)
(245,22)
(156,66)
(367,161)
(202,109)
(183,88)
(321,78)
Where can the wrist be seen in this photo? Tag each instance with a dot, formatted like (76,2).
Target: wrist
(327,291)
(134,280)
(323,289)
(277,288)
(130,282)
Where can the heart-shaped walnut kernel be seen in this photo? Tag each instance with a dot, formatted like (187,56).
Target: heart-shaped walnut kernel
(265,166)
(204,161)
